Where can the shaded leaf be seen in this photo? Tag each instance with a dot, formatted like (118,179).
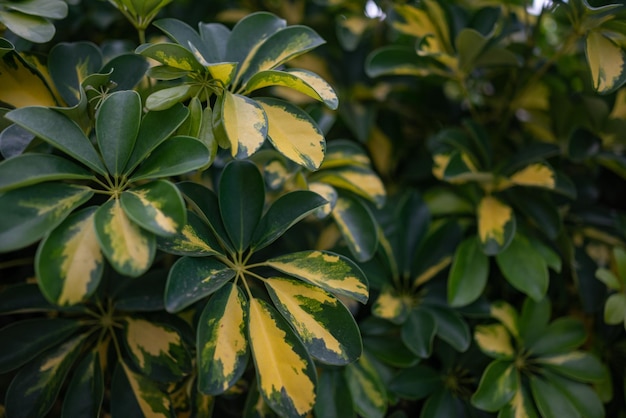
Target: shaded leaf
(524,268)
(358,227)
(367,388)
(152,401)
(176,156)
(496,225)
(418,332)
(498,384)
(86,389)
(468,274)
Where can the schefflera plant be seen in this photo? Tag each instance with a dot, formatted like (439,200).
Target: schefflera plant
(283,309)
(217,71)
(538,368)
(122,179)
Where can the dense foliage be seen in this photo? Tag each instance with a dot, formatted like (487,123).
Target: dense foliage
(329,208)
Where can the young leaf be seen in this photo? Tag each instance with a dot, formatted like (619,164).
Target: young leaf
(117,125)
(34,389)
(156,206)
(285,212)
(157,350)
(86,389)
(69,263)
(325,326)
(524,268)
(358,227)
(241,200)
(31,168)
(332,272)
(222,340)
(191,279)
(60,132)
(468,275)
(31,212)
(129,249)
(285,372)
(498,384)
(294,133)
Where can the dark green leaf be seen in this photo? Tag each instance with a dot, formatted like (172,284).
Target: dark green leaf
(357,226)
(23,297)
(576,365)
(177,155)
(333,389)
(416,382)
(143,293)
(524,268)
(468,275)
(498,385)
(550,401)
(581,395)
(86,389)
(451,327)
(196,239)
(69,64)
(560,336)
(418,332)
(367,388)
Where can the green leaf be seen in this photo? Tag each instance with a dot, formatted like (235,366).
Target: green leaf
(368,391)
(157,206)
(281,47)
(533,322)
(358,227)
(294,133)
(451,327)
(31,168)
(496,225)
(176,156)
(242,123)
(284,212)
(53,9)
(494,340)
(86,389)
(31,212)
(24,340)
(191,279)
(333,388)
(164,99)
(124,404)
(303,81)
(540,208)
(400,60)
(172,55)
(34,389)
(241,199)
(142,294)
(324,324)
(32,28)
(157,350)
(390,349)
(416,382)
(129,249)
(582,396)
(156,127)
(418,332)
(117,126)
(468,274)
(615,309)
(521,406)
(153,402)
(195,239)
(576,365)
(524,268)
(285,372)
(332,272)
(70,64)
(607,61)
(442,404)
(222,340)
(127,70)
(560,336)
(69,263)
(550,401)
(60,132)
(22,298)
(498,384)
(508,316)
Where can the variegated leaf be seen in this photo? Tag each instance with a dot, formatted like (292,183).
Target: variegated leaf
(242,123)
(496,225)
(195,239)
(191,279)
(172,55)
(576,365)
(550,401)
(535,175)
(222,340)
(342,152)
(494,340)
(392,305)
(507,315)
(294,133)
(607,61)
(153,402)
(34,389)
(157,350)
(332,272)
(28,213)
(129,249)
(285,372)
(303,81)
(367,388)
(520,406)
(359,180)
(86,389)
(498,385)
(326,327)
(157,206)
(69,263)
(329,194)
(162,100)
(358,227)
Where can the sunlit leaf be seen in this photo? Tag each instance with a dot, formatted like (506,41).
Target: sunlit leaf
(392,305)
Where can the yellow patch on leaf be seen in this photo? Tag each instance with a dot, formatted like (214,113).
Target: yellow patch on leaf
(245,124)
(493,216)
(128,244)
(145,338)
(607,61)
(391,305)
(165,222)
(539,175)
(145,406)
(507,315)
(494,339)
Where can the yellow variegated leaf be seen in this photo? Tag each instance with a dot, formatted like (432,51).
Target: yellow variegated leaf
(607,61)
(243,123)
(156,349)
(494,340)
(294,133)
(153,402)
(392,305)
(366,386)
(507,315)
(223,71)
(538,174)
(129,249)
(222,342)
(327,192)
(342,153)
(332,272)
(326,327)
(303,81)
(359,180)
(21,84)
(494,218)
(286,375)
